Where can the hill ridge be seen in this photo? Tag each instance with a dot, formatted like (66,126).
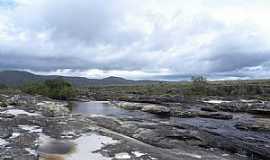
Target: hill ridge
(18,78)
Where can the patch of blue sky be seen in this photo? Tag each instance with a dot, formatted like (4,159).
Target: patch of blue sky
(7,3)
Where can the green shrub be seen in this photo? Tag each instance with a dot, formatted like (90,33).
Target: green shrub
(2,86)
(56,89)
(199,85)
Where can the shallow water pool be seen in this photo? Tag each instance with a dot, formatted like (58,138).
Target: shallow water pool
(82,148)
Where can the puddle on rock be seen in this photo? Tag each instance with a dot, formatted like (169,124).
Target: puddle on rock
(82,148)
(122,156)
(216,101)
(17,112)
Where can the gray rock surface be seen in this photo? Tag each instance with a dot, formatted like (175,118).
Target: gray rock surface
(191,133)
(156,109)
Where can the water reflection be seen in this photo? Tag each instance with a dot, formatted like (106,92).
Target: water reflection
(57,147)
(82,148)
(107,109)
(98,107)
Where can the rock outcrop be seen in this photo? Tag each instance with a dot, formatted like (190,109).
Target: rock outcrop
(156,109)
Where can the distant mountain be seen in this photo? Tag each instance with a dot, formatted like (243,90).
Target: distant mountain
(17,78)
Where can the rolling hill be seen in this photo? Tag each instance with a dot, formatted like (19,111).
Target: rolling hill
(18,78)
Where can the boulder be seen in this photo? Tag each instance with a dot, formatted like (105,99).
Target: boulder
(156,109)
(129,105)
(53,109)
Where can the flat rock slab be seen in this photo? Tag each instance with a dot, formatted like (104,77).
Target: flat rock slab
(260,124)
(156,109)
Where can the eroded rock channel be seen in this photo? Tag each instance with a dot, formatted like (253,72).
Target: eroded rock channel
(34,127)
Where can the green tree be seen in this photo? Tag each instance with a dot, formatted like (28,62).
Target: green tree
(55,88)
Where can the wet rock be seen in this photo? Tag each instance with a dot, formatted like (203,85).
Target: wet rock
(160,133)
(167,137)
(5,132)
(184,114)
(202,114)
(7,158)
(153,99)
(260,111)
(235,144)
(53,109)
(21,99)
(63,129)
(151,137)
(156,109)
(215,115)
(128,128)
(3,104)
(129,105)
(233,107)
(16,154)
(31,120)
(25,140)
(4,115)
(209,109)
(260,124)
(7,123)
(253,108)
(107,122)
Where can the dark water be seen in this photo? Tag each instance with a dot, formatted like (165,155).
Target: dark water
(99,108)
(107,109)
(224,128)
(57,147)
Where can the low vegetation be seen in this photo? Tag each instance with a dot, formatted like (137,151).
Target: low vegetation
(2,86)
(198,86)
(56,89)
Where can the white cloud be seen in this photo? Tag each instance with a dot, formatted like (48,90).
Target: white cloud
(97,73)
(135,39)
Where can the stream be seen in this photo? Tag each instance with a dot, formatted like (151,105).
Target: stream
(223,127)
(87,144)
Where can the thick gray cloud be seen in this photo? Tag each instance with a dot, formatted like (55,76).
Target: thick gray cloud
(136,39)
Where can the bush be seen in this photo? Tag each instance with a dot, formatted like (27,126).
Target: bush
(199,85)
(2,86)
(56,89)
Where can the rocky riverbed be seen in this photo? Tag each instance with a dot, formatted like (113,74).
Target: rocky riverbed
(35,127)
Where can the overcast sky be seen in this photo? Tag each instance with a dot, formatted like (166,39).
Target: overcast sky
(137,39)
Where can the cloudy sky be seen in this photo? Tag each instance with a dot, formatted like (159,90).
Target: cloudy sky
(137,39)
